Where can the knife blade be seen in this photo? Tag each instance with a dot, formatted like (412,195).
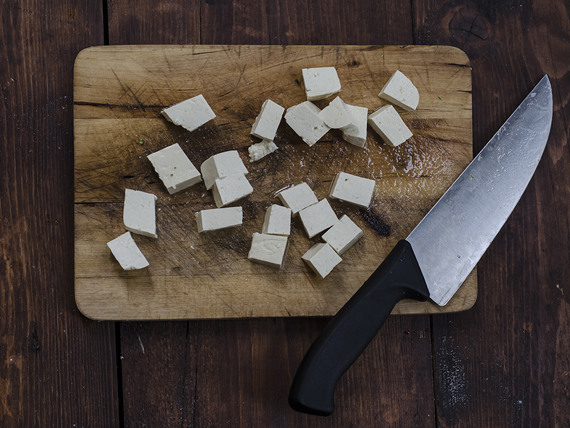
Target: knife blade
(438,255)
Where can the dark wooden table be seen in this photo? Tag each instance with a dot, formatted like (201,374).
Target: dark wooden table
(504,363)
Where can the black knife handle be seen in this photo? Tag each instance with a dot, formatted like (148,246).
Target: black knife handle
(351,330)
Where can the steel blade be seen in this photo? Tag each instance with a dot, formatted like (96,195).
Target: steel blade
(453,236)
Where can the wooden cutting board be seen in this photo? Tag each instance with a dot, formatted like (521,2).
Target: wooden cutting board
(119,92)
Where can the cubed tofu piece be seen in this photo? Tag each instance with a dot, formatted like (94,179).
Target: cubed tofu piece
(268,250)
(355,133)
(305,121)
(229,189)
(343,235)
(335,115)
(277,221)
(127,253)
(322,259)
(220,166)
(190,114)
(266,124)
(174,168)
(318,217)
(389,125)
(353,189)
(139,213)
(320,82)
(401,91)
(219,218)
(298,197)
(260,150)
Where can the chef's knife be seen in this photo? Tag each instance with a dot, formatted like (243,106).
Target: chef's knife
(434,260)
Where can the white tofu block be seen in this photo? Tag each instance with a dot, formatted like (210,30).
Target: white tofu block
(318,217)
(219,218)
(127,253)
(260,150)
(389,125)
(266,124)
(268,250)
(305,121)
(320,82)
(277,221)
(221,165)
(139,213)
(322,259)
(343,235)
(401,91)
(335,115)
(353,189)
(230,189)
(190,114)
(298,197)
(174,168)
(355,133)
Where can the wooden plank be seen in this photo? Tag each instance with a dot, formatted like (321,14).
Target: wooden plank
(194,275)
(505,362)
(134,22)
(277,345)
(57,368)
(327,22)
(158,368)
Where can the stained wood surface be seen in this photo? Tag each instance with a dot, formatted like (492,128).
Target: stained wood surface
(57,368)
(119,93)
(503,363)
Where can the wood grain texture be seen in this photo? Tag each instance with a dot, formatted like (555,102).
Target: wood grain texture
(171,22)
(506,362)
(328,22)
(56,367)
(194,275)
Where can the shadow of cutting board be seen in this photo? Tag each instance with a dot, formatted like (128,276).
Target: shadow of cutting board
(119,92)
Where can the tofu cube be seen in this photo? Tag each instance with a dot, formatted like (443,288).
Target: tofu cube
(174,168)
(139,213)
(353,189)
(229,189)
(298,197)
(127,253)
(335,115)
(266,124)
(355,133)
(219,218)
(221,165)
(190,114)
(389,125)
(320,83)
(401,91)
(322,259)
(318,217)
(343,235)
(260,150)
(268,250)
(305,121)
(277,221)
